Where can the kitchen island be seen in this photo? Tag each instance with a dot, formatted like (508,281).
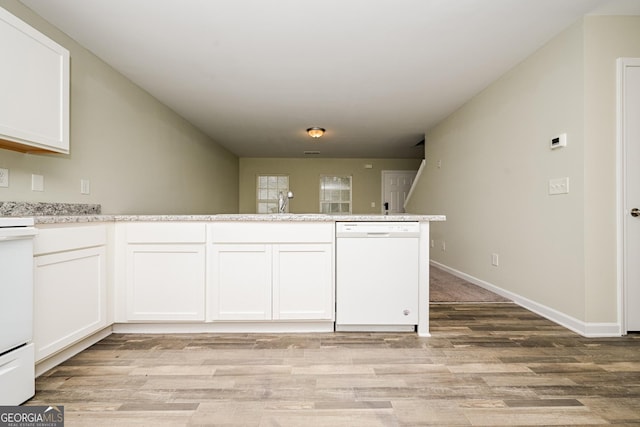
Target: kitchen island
(191,273)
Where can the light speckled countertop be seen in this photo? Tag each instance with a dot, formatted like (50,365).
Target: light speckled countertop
(69,213)
(60,219)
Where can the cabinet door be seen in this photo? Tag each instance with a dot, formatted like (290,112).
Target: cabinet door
(303,282)
(165,282)
(34,83)
(70,298)
(240,282)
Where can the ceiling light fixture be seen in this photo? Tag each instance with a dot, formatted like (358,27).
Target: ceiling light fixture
(315,132)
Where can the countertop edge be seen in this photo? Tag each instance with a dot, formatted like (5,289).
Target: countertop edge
(70,219)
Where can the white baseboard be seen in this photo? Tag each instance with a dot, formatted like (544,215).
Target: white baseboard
(44,365)
(224,327)
(585,329)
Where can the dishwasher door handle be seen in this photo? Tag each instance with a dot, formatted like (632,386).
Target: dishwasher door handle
(378,234)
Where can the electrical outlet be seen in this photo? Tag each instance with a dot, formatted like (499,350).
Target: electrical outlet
(443,247)
(4,177)
(433,243)
(37,182)
(495,258)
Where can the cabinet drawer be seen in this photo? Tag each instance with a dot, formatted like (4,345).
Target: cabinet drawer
(60,239)
(17,371)
(271,232)
(166,232)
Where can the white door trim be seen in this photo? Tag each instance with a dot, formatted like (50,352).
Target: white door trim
(621,65)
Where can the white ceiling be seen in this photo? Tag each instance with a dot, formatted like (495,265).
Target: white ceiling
(254,74)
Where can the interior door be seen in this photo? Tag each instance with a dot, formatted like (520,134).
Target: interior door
(630,128)
(395,188)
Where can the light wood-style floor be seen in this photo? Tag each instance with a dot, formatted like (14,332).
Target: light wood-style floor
(485,364)
(445,287)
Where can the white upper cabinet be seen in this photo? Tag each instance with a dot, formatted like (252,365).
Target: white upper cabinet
(34,88)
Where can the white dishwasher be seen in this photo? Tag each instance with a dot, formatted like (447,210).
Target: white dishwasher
(377,276)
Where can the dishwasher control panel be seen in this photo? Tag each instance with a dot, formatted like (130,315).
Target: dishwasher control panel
(374,229)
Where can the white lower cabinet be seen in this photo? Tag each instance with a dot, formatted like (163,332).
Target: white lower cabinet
(302,281)
(70,287)
(164,272)
(253,278)
(241,275)
(165,282)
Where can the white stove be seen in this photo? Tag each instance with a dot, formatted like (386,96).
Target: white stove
(9,222)
(17,379)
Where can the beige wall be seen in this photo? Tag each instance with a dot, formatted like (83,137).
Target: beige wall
(304,175)
(606,39)
(139,156)
(558,251)
(492,184)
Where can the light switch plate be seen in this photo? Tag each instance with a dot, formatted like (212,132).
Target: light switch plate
(4,177)
(37,182)
(85,186)
(559,186)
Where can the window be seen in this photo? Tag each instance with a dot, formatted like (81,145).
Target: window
(335,194)
(267,189)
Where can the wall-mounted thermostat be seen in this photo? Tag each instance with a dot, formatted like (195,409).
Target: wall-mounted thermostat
(558,141)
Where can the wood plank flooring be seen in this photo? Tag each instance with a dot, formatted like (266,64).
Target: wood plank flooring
(485,364)
(447,288)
